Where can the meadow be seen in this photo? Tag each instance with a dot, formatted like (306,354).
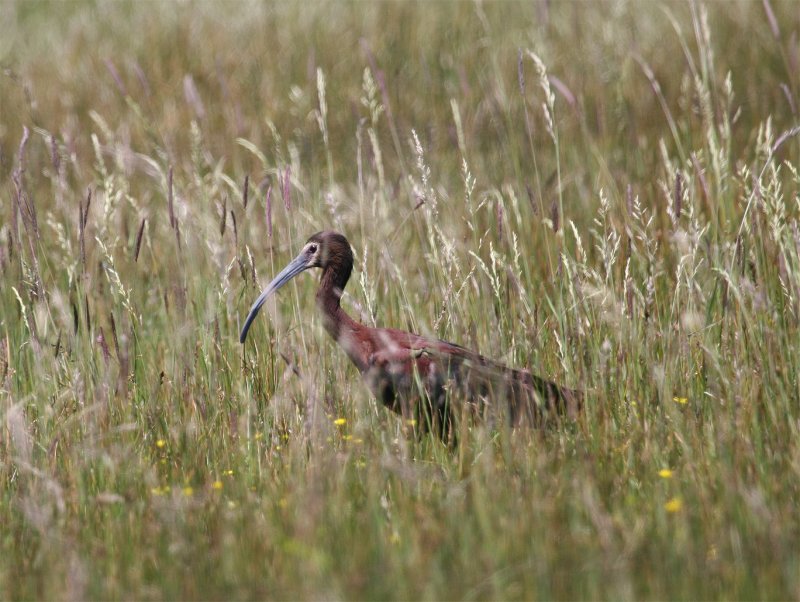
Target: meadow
(606,193)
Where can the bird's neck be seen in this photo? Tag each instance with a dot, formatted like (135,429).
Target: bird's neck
(331,288)
(341,327)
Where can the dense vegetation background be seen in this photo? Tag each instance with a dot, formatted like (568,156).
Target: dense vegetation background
(606,193)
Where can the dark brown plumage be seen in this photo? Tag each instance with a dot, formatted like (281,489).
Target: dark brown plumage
(426,380)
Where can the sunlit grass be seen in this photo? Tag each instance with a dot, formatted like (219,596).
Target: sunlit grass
(606,194)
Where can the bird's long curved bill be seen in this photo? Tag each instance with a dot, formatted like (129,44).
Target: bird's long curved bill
(297,265)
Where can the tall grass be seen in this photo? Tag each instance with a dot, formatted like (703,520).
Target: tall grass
(604,193)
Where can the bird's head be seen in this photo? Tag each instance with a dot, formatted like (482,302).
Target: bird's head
(322,250)
(327,248)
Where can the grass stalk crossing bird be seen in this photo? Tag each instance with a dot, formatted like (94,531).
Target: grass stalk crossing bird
(424,379)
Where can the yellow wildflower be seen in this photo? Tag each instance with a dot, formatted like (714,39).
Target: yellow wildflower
(674,505)
(411,422)
(160,443)
(665,473)
(188,491)
(340,421)
(216,485)
(227,473)
(681,400)
(347,437)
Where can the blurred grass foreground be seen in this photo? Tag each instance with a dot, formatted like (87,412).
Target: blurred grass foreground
(606,193)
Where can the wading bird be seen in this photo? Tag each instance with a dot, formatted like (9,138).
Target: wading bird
(427,381)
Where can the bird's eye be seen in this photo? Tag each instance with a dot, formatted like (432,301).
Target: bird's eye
(312,249)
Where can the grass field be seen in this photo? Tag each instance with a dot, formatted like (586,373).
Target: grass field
(606,193)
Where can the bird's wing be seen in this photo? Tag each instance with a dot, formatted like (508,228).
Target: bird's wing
(529,397)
